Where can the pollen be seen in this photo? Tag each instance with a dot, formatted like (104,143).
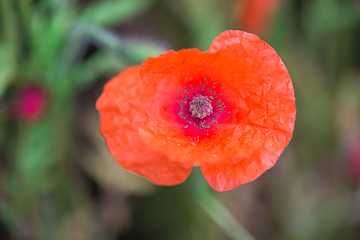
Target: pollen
(200,106)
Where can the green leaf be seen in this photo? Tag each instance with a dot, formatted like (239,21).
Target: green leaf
(109,12)
(37,155)
(49,34)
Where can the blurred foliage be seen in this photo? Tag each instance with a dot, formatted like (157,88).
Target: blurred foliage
(57,180)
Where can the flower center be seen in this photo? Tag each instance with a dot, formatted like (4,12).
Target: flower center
(200,106)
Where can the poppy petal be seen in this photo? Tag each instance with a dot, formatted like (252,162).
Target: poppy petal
(122,110)
(234,39)
(224,177)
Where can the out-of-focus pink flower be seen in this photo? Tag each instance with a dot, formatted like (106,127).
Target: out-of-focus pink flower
(256,15)
(29,103)
(354,157)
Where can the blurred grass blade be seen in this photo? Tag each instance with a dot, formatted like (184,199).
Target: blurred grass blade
(8,215)
(113,11)
(216,210)
(9,27)
(7,68)
(204,18)
(9,44)
(48,35)
(133,50)
(88,71)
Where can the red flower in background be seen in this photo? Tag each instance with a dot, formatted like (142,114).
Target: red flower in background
(354,157)
(256,15)
(230,110)
(29,103)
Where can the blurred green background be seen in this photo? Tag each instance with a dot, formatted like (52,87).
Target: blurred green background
(57,179)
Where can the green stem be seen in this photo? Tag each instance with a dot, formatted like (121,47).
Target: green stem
(216,210)
(25,12)
(10,28)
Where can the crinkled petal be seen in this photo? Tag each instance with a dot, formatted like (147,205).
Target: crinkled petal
(122,108)
(256,88)
(229,144)
(235,38)
(226,176)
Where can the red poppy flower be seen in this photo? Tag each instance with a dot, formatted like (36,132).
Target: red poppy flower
(230,110)
(354,156)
